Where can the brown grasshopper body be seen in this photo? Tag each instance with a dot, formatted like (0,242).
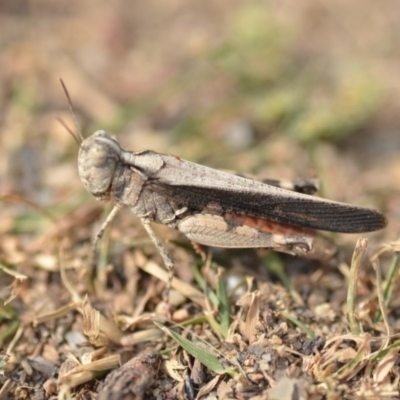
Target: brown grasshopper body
(209,206)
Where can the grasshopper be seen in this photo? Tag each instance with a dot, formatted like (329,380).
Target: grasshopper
(209,206)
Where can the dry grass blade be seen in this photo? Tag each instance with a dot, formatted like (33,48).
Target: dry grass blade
(11,272)
(91,321)
(67,284)
(160,273)
(18,279)
(358,254)
(94,324)
(385,366)
(392,275)
(357,361)
(206,389)
(6,388)
(147,335)
(53,315)
(18,334)
(86,372)
(393,271)
(97,327)
(377,268)
(173,367)
(249,329)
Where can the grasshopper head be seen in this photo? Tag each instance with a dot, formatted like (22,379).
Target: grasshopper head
(98,157)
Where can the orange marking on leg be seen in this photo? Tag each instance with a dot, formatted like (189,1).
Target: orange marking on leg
(267,226)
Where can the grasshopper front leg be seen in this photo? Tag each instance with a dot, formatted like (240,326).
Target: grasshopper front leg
(163,252)
(101,231)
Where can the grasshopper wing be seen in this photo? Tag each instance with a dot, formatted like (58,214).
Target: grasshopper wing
(198,188)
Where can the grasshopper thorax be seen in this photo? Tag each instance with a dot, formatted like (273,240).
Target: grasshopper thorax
(98,158)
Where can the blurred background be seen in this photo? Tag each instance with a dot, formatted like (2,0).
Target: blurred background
(280,89)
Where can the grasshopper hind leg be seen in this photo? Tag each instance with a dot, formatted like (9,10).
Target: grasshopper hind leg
(236,231)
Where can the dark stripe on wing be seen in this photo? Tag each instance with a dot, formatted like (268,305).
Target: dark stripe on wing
(303,212)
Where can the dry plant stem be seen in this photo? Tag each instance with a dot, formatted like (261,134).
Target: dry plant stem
(94,323)
(6,388)
(358,254)
(186,289)
(67,284)
(15,286)
(377,268)
(250,326)
(147,335)
(393,271)
(358,362)
(16,275)
(15,339)
(86,372)
(53,315)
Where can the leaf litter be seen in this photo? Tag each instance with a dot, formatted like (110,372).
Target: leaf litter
(274,346)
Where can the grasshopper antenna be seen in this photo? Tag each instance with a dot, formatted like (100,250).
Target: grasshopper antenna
(69,130)
(78,139)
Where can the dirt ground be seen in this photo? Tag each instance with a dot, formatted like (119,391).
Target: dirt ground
(288,90)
